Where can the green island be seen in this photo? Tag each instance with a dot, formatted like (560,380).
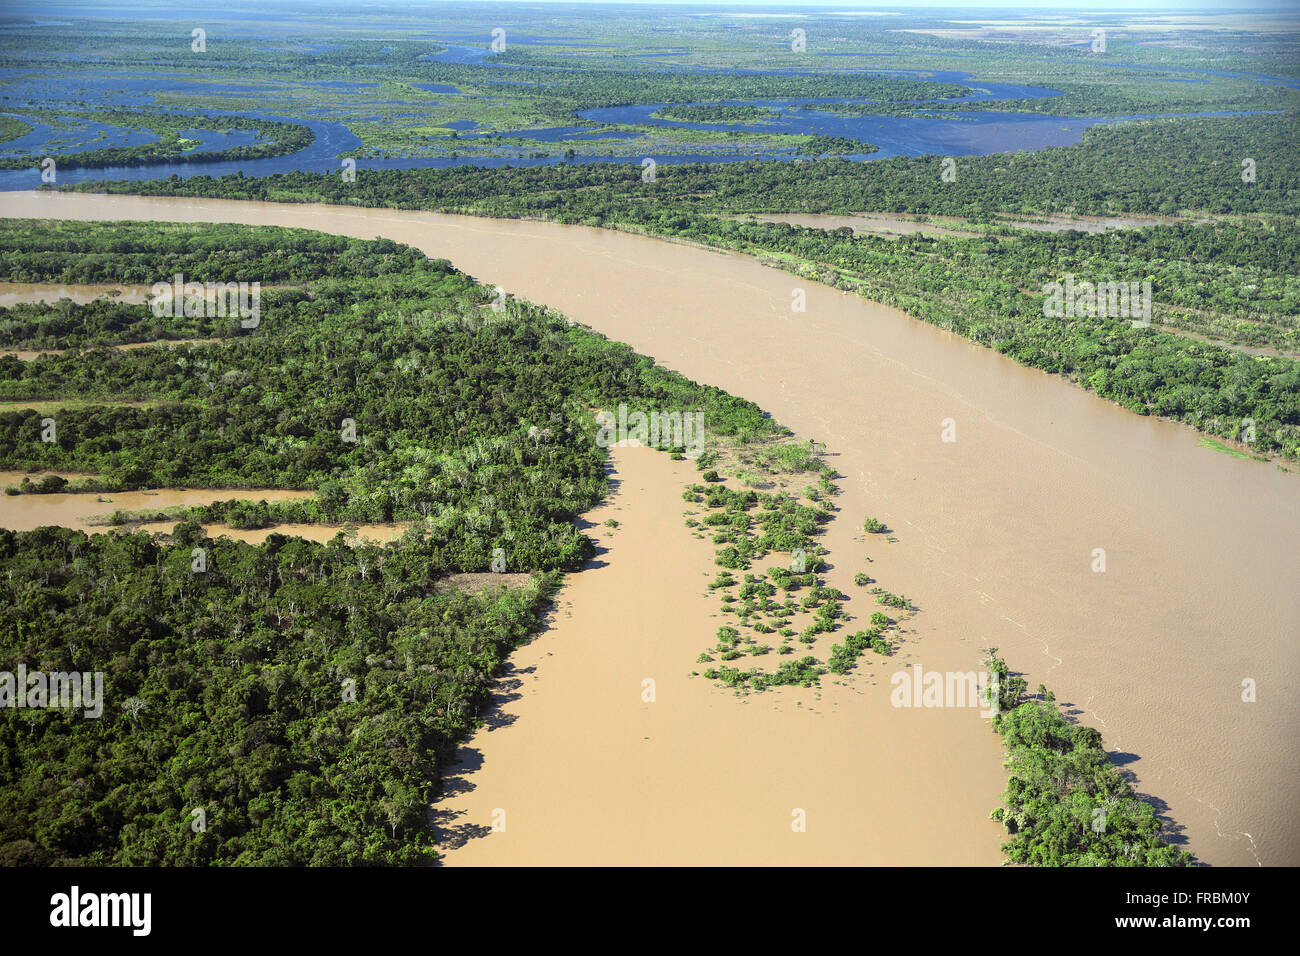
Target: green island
(277,139)
(1066,804)
(11,128)
(713,113)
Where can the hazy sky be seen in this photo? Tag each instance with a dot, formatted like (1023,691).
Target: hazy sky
(983,8)
(1034,6)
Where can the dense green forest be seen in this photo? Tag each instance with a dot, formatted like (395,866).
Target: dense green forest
(100,322)
(835,146)
(440,386)
(225,687)
(141,253)
(302,696)
(1232,282)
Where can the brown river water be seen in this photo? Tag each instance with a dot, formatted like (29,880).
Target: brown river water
(13,293)
(82,509)
(30,355)
(997,533)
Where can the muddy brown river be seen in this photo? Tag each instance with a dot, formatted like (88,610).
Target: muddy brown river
(998,535)
(87,511)
(14,293)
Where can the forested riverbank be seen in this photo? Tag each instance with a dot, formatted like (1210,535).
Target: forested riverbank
(1066,803)
(1231,281)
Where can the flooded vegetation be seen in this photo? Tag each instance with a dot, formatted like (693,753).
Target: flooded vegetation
(90,511)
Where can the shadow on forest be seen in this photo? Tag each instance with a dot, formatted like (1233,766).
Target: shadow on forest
(505,692)
(451,832)
(1171,831)
(451,835)
(457,779)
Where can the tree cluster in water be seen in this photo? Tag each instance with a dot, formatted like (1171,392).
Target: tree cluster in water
(1066,803)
